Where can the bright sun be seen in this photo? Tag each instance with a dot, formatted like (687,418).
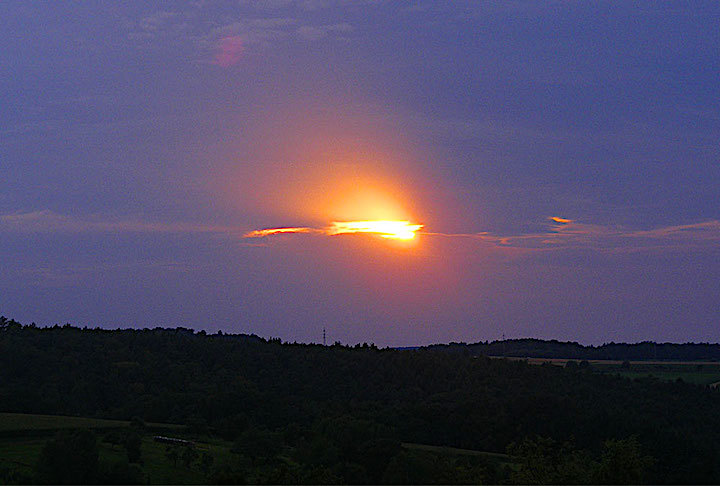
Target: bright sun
(397,230)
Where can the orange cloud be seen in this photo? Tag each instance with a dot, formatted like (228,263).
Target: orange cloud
(566,236)
(275,231)
(399,230)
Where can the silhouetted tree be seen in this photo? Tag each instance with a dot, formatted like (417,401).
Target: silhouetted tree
(121,472)
(172,453)
(132,444)
(544,461)
(623,462)
(206,462)
(70,458)
(189,454)
(258,444)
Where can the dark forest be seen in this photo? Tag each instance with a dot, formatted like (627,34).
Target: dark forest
(341,414)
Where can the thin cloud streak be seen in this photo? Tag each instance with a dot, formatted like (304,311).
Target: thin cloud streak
(566,235)
(574,235)
(206,34)
(386,229)
(278,231)
(46,221)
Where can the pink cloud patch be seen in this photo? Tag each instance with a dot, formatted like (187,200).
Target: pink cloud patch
(229,51)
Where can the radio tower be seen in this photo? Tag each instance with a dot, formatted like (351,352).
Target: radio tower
(324,344)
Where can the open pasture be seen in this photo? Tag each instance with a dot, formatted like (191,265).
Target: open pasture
(697,372)
(18,422)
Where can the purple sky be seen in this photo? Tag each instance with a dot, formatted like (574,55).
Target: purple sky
(139,142)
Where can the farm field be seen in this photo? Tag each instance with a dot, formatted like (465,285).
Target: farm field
(10,422)
(23,436)
(454,451)
(697,372)
(23,454)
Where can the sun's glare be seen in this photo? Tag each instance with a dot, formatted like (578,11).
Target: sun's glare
(398,230)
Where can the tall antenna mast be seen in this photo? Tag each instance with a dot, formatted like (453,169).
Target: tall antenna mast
(324,343)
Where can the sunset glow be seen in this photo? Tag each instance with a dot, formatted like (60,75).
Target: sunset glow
(404,173)
(275,231)
(397,230)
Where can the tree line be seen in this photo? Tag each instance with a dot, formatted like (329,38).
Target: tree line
(539,348)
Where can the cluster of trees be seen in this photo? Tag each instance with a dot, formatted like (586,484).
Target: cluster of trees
(544,461)
(72,457)
(341,450)
(539,348)
(129,439)
(309,413)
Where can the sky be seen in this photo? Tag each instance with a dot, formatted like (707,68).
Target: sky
(562,157)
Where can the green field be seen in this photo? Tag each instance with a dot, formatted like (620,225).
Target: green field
(23,436)
(12,422)
(27,434)
(697,372)
(23,453)
(454,451)
(690,377)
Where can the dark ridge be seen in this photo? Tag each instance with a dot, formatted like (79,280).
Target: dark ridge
(236,386)
(538,348)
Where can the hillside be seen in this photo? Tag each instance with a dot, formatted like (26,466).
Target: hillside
(539,348)
(342,414)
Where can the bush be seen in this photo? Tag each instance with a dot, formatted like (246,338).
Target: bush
(70,458)
(132,446)
(121,472)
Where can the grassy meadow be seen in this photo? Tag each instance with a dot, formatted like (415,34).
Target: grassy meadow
(23,436)
(695,372)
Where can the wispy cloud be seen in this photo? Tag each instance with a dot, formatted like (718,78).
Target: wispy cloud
(305,5)
(162,24)
(560,234)
(212,36)
(403,230)
(569,234)
(46,221)
(317,32)
(278,231)
(563,234)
